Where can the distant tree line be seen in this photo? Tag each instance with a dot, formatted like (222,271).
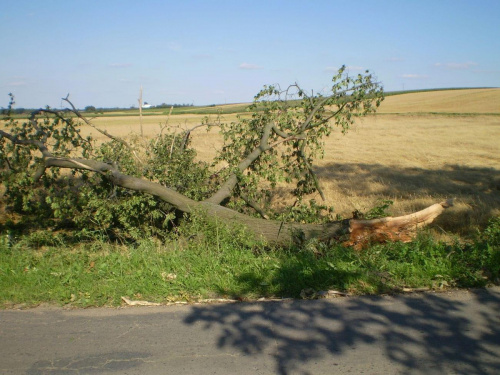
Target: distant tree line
(165,105)
(91,108)
(16,111)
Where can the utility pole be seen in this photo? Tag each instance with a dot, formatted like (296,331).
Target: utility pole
(140,110)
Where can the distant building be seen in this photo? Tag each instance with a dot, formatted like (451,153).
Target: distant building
(146,105)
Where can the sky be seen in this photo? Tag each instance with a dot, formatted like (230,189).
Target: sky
(216,52)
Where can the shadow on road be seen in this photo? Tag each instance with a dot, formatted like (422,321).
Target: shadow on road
(419,334)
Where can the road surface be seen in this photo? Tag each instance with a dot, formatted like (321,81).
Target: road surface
(454,332)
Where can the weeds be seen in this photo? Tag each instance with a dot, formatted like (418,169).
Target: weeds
(206,259)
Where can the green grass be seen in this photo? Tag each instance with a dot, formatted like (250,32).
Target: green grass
(209,260)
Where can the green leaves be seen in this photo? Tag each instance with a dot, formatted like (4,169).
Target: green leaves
(287,130)
(20,162)
(271,149)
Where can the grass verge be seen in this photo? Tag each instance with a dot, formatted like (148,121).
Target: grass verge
(209,260)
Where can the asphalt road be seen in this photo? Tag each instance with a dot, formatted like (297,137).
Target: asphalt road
(433,333)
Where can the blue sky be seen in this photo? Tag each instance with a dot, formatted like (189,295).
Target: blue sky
(212,52)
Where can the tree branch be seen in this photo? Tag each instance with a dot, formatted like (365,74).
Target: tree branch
(59,116)
(310,170)
(104,132)
(226,189)
(322,102)
(255,206)
(280,132)
(187,133)
(401,228)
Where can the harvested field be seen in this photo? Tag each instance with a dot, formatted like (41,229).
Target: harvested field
(419,149)
(448,101)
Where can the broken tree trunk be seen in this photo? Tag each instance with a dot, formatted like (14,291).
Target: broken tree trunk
(356,233)
(401,228)
(352,232)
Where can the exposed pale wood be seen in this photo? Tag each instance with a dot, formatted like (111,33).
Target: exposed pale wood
(401,228)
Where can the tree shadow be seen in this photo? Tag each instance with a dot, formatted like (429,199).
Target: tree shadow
(478,189)
(452,179)
(291,279)
(428,333)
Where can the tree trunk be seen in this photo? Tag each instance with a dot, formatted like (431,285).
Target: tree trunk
(356,233)
(278,232)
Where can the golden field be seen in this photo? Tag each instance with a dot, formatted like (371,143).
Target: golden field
(448,101)
(420,148)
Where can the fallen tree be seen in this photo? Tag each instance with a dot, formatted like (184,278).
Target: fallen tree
(277,144)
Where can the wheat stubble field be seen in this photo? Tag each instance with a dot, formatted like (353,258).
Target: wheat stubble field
(419,149)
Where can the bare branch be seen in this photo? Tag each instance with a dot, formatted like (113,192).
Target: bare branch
(226,189)
(255,206)
(104,132)
(311,171)
(140,111)
(164,126)
(187,133)
(89,123)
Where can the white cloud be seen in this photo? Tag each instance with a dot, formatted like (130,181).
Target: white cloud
(249,66)
(331,69)
(414,76)
(454,65)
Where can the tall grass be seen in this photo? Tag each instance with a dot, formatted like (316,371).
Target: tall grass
(207,259)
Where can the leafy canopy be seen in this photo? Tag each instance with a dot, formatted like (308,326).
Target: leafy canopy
(276,143)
